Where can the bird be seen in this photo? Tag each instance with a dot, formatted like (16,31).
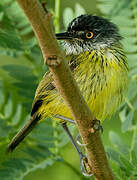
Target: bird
(96,58)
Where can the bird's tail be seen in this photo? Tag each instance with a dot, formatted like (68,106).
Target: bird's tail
(23,133)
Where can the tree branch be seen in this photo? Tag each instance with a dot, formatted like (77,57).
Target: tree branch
(66,85)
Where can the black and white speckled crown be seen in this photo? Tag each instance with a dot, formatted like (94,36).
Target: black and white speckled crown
(97,25)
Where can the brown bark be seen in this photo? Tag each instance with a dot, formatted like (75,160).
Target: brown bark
(41,22)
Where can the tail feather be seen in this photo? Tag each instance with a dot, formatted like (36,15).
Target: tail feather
(23,133)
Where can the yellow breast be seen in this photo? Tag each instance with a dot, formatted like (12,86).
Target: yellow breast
(102,77)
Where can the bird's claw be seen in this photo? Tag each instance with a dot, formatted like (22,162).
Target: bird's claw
(85,168)
(95,126)
(78,140)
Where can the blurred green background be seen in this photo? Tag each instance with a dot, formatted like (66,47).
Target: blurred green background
(47,152)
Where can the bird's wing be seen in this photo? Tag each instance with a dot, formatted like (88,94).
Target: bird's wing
(45,85)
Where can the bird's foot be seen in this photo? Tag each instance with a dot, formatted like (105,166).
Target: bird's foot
(85,168)
(78,138)
(95,126)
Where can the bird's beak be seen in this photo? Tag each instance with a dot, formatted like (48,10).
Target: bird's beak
(63,36)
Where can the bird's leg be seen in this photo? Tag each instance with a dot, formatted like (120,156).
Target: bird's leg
(83,158)
(73,122)
(78,137)
(96,126)
(64,118)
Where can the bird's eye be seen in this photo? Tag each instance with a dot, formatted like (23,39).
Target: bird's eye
(89,35)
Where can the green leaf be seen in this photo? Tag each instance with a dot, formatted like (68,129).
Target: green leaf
(131,94)
(127,165)
(26,82)
(8,108)
(10,40)
(127,124)
(15,31)
(134,158)
(79,10)
(68,15)
(1,94)
(118,143)
(113,155)
(1,16)
(122,115)
(35,154)
(17,116)
(132,60)
(4,129)
(19,72)
(10,171)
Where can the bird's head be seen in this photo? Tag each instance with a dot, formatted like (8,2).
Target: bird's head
(88,32)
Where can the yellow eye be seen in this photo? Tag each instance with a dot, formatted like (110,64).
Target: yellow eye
(89,35)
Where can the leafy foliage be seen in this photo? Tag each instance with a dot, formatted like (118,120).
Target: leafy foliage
(19,79)
(15,31)
(123,157)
